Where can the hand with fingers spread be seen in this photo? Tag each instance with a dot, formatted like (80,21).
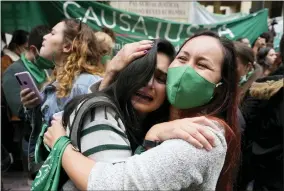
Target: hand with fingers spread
(125,56)
(29,98)
(192,130)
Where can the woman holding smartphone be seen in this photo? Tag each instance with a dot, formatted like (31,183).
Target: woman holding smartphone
(72,47)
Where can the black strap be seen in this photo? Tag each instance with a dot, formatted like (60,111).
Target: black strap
(147,144)
(76,127)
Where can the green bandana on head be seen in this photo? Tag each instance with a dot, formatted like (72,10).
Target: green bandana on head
(187,89)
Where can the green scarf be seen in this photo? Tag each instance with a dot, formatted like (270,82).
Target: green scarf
(38,153)
(38,74)
(48,175)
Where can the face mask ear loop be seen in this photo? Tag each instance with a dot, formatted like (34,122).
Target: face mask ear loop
(219,84)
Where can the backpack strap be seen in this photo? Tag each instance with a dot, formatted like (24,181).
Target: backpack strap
(76,127)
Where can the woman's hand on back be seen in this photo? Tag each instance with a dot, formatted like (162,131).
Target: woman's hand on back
(192,130)
(29,98)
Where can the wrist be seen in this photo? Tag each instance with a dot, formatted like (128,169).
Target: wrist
(111,74)
(147,144)
(152,135)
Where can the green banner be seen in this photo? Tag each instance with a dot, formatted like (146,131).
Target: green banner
(129,27)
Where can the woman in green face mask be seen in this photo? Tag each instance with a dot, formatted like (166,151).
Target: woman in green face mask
(202,80)
(248,70)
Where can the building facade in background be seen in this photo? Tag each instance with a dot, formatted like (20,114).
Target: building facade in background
(174,11)
(180,11)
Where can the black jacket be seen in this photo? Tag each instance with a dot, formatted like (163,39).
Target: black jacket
(263,111)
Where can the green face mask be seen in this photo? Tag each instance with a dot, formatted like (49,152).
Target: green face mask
(243,80)
(187,89)
(43,63)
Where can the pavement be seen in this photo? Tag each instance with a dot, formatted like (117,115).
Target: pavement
(15,181)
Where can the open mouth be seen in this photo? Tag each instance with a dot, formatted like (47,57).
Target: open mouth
(144,96)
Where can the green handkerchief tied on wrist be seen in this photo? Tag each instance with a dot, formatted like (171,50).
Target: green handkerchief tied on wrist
(48,175)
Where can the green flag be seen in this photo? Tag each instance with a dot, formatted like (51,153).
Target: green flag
(129,27)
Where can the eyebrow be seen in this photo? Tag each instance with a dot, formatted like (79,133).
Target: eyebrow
(200,57)
(187,54)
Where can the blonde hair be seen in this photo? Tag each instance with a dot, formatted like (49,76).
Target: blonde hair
(84,56)
(105,43)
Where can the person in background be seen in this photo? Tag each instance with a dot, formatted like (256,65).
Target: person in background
(106,46)
(30,61)
(3,42)
(248,70)
(112,35)
(263,111)
(245,41)
(18,45)
(269,37)
(260,42)
(266,58)
(72,47)
(280,69)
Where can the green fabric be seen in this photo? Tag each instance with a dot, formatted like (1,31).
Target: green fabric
(38,156)
(187,89)
(48,175)
(105,58)
(140,149)
(44,63)
(129,27)
(38,74)
(105,147)
(244,79)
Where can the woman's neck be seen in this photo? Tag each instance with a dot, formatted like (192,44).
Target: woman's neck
(176,113)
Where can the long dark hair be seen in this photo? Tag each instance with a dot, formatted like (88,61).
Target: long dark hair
(135,76)
(223,105)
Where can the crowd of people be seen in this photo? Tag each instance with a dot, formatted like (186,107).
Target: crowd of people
(207,117)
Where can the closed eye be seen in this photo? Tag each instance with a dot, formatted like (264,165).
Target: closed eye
(182,58)
(203,66)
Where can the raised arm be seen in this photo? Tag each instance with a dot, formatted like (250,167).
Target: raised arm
(124,57)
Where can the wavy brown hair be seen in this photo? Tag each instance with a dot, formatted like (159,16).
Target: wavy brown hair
(83,57)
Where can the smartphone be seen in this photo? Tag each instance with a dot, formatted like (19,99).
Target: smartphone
(26,81)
